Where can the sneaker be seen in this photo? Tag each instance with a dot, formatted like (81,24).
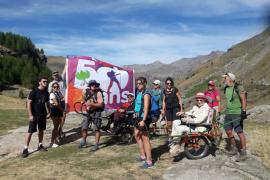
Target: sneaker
(41,148)
(94,148)
(168,141)
(82,144)
(175,150)
(233,151)
(25,153)
(147,166)
(242,156)
(55,145)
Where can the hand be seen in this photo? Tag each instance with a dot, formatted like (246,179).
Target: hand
(162,112)
(48,115)
(141,123)
(31,118)
(179,113)
(244,115)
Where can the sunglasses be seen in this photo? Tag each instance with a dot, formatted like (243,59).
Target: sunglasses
(45,81)
(55,86)
(168,83)
(139,83)
(199,100)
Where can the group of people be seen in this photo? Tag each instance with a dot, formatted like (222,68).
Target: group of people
(148,106)
(43,102)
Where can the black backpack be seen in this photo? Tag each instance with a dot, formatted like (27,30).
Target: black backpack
(235,89)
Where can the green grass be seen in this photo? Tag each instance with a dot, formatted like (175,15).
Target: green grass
(12,118)
(110,162)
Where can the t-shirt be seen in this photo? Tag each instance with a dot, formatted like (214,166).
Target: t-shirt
(138,102)
(39,99)
(234,106)
(212,97)
(62,86)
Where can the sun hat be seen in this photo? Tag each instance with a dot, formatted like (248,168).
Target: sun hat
(200,95)
(230,75)
(212,83)
(158,82)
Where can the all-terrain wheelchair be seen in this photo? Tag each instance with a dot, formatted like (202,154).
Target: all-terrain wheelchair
(198,144)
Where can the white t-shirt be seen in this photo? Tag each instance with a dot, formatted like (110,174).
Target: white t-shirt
(62,86)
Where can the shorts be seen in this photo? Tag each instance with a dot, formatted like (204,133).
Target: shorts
(233,121)
(55,112)
(39,121)
(94,118)
(171,114)
(155,116)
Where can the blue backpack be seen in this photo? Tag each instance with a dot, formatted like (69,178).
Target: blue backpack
(155,101)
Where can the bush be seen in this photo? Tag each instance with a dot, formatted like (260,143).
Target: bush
(22,94)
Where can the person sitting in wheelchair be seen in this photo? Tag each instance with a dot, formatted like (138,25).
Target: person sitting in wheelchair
(189,121)
(120,115)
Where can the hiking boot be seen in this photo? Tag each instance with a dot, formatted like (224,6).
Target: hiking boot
(41,148)
(233,151)
(25,153)
(94,148)
(82,144)
(147,166)
(242,155)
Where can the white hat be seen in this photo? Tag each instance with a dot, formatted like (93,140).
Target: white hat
(157,82)
(230,75)
(130,94)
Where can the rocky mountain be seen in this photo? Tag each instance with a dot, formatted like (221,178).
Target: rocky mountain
(179,69)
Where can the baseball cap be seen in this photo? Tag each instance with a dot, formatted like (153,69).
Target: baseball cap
(157,82)
(211,83)
(230,75)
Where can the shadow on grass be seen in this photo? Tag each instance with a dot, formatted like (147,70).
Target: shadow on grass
(159,151)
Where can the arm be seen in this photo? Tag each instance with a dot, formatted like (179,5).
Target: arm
(201,117)
(29,110)
(99,103)
(219,103)
(178,94)
(243,101)
(146,106)
(163,105)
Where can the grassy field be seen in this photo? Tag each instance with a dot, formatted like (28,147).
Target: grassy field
(11,119)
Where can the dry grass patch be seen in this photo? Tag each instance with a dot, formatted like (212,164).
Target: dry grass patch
(258,140)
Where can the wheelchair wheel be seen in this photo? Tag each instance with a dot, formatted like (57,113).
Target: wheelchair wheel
(126,135)
(197,147)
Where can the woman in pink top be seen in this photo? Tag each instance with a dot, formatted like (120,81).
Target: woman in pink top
(213,97)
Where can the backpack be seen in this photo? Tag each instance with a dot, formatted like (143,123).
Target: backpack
(235,89)
(93,96)
(155,101)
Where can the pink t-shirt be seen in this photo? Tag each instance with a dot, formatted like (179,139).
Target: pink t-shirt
(212,97)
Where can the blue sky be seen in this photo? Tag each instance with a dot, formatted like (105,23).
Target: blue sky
(134,31)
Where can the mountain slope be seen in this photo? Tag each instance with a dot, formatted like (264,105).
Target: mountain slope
(248,60)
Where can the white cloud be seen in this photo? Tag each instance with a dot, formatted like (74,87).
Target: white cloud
(141,47)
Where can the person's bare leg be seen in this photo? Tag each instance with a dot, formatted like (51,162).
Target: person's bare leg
(139,141)
(97,137)
(242,140)
(28,139)
(84,134)
(147,147)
